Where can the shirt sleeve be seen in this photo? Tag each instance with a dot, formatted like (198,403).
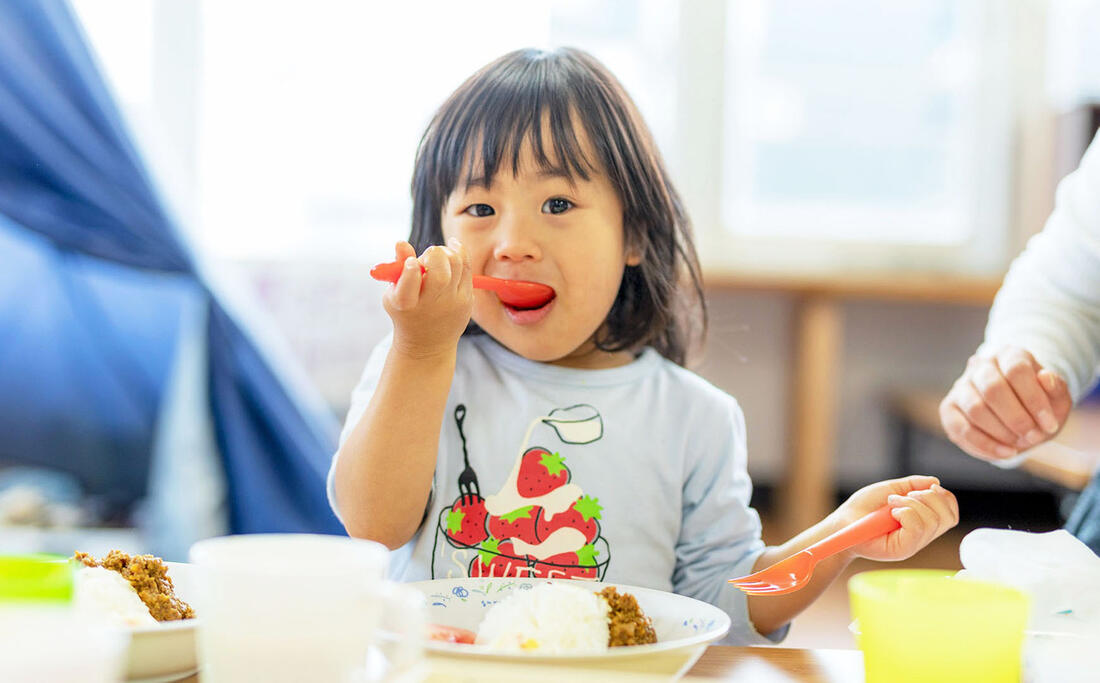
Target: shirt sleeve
(1049,303)
(719,532)
(360,397)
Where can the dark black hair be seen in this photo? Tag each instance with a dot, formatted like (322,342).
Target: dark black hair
(486,121)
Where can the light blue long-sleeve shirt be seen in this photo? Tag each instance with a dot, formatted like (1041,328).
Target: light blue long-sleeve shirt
(635,475)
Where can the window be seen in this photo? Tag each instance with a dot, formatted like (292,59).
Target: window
(304,117)
(862,122)
(1073,60)
(800,133)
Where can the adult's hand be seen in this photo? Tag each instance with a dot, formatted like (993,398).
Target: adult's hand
(1003,404)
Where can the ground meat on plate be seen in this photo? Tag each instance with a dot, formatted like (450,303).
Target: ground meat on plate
(149,577)
(629,626)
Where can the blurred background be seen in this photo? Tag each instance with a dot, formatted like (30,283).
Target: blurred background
(859,174)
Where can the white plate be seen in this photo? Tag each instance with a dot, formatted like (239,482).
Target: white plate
(165,651)
(684,626)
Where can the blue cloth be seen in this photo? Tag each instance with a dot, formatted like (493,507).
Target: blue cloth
(1084,521)
(276,450)
(86,347)
(67,167)
(92,280)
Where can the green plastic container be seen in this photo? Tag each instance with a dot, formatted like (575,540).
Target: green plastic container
(35,578)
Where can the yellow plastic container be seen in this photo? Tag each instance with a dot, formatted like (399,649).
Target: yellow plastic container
(920,625)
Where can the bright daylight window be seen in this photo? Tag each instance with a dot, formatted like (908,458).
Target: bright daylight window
(866,121)
(286,131)
(306,116)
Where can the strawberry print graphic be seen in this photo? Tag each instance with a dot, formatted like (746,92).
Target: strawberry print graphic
(541,472)
(518,523)
(498,558)
(465,521)
(579,565)
(582,516)
(536,519)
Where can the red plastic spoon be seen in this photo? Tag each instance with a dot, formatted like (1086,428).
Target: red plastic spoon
(516,293)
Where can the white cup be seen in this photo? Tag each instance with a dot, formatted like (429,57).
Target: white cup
(301,607)
(59,644)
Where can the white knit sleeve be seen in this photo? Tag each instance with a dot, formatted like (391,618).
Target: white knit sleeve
(1049,303)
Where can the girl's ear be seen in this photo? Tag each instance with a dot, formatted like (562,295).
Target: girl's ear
(633,256)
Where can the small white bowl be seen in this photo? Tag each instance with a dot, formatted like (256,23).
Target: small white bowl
(165,651)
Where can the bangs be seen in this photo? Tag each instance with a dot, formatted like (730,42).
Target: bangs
(487,125)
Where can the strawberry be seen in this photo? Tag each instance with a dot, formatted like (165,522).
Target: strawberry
(578,565)
(519,523)
(581,515)
(540,472)
(498,558)
(465,521)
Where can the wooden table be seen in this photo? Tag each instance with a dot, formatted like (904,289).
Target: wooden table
(718,663)
(776,665)
(808,486)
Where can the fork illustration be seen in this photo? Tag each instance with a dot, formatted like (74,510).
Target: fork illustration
(467,481)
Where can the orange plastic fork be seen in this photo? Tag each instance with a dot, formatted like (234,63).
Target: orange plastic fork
(787,576)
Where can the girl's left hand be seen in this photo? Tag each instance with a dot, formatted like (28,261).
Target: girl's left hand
(924,509)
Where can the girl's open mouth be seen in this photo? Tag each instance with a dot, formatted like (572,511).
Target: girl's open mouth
(528,316)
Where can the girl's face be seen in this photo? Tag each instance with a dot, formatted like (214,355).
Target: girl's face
(543,227)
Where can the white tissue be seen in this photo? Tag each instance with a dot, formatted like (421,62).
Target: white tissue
(1062,576)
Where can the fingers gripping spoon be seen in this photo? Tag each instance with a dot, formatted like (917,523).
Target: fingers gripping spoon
(515,293)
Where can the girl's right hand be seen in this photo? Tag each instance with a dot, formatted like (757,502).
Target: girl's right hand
(430,310)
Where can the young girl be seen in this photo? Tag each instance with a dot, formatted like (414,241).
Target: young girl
(566,440)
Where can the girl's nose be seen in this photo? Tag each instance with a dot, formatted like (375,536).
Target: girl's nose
(515,242)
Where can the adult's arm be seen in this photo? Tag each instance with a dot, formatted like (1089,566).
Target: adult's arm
(1049,303)
(1042,342)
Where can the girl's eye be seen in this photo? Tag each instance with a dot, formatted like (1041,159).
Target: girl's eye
(557,205)
(479,210)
